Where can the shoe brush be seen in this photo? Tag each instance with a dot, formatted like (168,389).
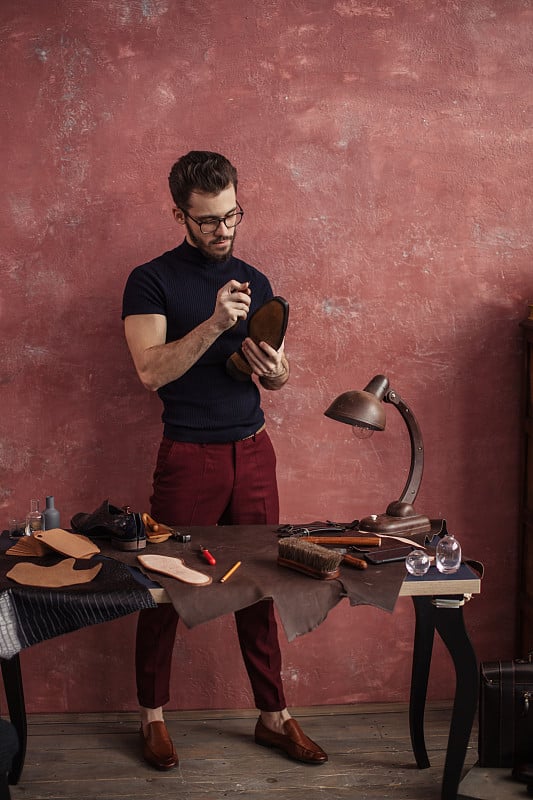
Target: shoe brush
(313,559)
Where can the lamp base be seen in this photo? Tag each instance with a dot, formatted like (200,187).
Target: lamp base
(395,526)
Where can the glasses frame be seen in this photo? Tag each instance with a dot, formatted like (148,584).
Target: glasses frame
(238,213)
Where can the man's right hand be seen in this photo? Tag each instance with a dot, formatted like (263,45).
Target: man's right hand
(232,304)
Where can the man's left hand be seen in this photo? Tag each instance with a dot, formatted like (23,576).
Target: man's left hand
(270,366)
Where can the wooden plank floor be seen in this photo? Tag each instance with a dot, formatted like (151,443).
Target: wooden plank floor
(97,757)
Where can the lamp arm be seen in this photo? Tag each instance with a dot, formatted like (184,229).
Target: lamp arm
(417,448)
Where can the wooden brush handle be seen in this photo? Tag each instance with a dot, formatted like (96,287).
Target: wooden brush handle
(352,561)
(362,541)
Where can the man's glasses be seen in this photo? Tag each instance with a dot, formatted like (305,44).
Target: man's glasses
(211,224)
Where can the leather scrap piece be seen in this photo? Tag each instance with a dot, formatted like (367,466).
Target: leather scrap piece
(28,546)
(58,540)
(53,577)
(74,545)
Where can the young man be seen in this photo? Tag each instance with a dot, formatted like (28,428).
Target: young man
(184,315)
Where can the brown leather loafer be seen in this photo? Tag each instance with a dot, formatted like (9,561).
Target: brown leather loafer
(293,742)
(158,749)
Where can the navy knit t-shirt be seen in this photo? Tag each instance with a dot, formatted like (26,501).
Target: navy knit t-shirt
(205,404)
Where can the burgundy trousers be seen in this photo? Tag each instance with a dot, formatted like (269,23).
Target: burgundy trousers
(210,484)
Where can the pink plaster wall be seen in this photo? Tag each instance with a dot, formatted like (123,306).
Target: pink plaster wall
(384,151)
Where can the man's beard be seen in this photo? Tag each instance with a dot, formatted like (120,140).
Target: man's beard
(205,249)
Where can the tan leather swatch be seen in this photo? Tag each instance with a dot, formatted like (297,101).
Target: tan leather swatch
(61,574)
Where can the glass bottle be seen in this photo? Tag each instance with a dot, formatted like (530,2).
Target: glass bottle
(34,520)
(50,514)
(448,554)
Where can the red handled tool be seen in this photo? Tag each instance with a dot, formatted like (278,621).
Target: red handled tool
(207,556)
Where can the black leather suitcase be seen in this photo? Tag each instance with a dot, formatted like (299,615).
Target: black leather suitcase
(505,734)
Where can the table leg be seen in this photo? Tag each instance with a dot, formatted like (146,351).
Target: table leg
(422,650)
(451,628)
(448,620)
(14,690)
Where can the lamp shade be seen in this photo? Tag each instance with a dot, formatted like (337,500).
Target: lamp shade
(364,408)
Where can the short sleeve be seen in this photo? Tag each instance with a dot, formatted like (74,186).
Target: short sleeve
(143,293)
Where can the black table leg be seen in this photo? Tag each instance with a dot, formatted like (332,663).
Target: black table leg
(422,650)
(451,628)
(14,690)
(446,616)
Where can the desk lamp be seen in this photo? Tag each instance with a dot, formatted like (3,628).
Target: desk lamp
(365,410)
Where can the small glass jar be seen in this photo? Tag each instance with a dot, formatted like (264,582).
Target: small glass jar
(448,554)
(417,562)
(17,528)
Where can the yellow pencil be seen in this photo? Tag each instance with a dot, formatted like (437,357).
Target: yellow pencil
(230,572)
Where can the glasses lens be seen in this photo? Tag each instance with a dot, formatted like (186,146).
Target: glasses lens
(233,219)
(230,221)
(209,227)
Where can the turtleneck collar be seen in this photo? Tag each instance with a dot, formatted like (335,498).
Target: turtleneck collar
(195,255)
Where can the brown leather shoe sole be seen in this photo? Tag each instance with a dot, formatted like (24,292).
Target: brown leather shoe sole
(158,750)
(267,324)
(293,742)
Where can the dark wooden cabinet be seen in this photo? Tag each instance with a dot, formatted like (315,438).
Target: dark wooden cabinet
(525,613)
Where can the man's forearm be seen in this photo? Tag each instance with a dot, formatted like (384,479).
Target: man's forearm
(164,363)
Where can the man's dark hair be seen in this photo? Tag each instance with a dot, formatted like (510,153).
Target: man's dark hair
(200,171)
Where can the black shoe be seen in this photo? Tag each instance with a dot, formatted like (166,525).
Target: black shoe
(100,523)
(125,528)
(129,533)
